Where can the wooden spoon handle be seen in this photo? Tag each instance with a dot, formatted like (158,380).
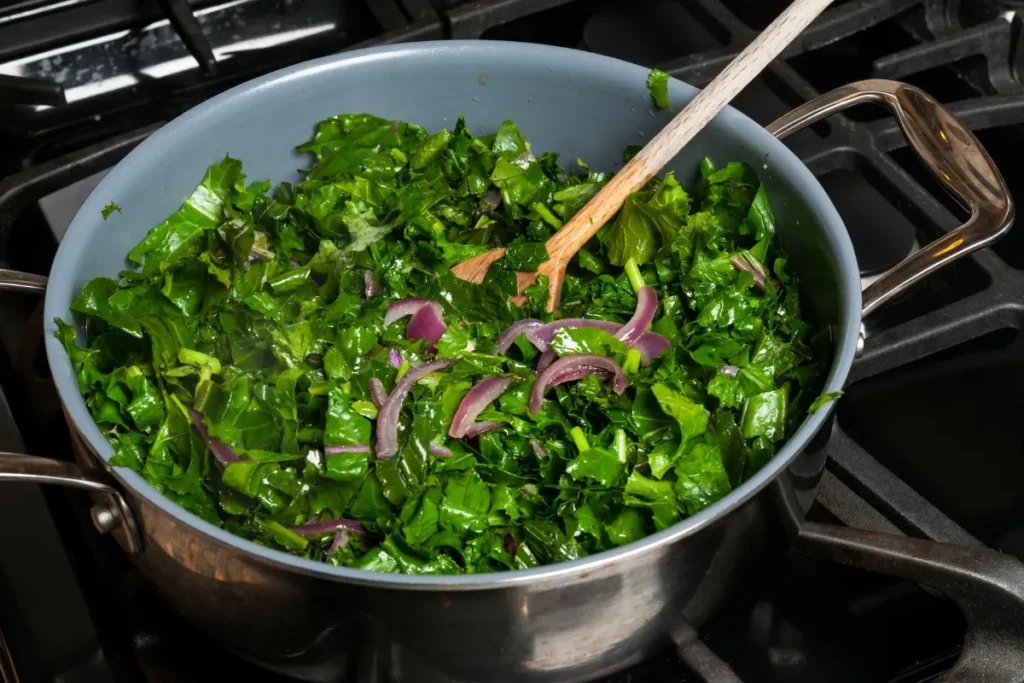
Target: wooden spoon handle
(664,146)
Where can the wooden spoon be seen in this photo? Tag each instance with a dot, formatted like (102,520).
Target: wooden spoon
(564,244)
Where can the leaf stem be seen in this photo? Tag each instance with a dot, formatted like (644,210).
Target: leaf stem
(579,438)
(631,365)
(636,280)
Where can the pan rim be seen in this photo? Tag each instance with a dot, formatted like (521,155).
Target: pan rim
(58,297)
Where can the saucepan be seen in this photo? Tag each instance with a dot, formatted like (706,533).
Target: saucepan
(570,621)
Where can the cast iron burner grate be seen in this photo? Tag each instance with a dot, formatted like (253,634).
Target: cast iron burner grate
(966,54)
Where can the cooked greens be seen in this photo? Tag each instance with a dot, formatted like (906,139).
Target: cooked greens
(109,209)
(657,83)
(267,347)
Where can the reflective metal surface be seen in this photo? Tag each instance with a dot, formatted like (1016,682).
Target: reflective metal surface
(561,626)
(949,150)
(7,671)
(16,281)
(559,629)
(15,467)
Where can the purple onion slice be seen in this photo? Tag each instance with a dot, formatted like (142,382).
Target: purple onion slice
(542,336)
(387,420)
(326,526)
(427,324)
(651,345)
(440,451)
(573,368)
(538,449)
(510,544)
(358,448)
(740,263)
(546,359)
(508,337)
(377,392)
(406,307)
(483,393)
(478,428)
(340,541)
(395,358)
(646,306)
(224,453)
(730,370)
(370,286)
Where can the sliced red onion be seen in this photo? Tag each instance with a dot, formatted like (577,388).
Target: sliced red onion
(506,339)
(224,453)
(377,392)
(651,345)
(370,286)
(740,263)
(395,358)
(340,541)
(538,450)
(440,451)
(427,324)
(478,428)
(406,307)
(542,336)
(327,526)
(646,306)
(387,420)
(511,546)
(359,448)
(485,392)
(295,263)
(730,370)
(573,368)
(546,359)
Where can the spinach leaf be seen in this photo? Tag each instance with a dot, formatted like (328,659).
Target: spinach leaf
(178,236)
(657,83)
(525,256)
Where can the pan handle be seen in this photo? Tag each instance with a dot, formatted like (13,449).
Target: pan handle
(17,281)
(951,153)
(16,467)
(986,585)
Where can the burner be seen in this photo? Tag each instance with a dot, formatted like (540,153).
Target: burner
(881,235)
(645,31)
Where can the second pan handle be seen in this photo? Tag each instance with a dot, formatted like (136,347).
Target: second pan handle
(949,150)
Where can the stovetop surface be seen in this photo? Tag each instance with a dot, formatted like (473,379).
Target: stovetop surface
(935,400)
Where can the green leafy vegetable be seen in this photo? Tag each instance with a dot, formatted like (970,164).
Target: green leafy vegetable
(657,83)
(525,256)
(823,401)
(109,209)
(249,306)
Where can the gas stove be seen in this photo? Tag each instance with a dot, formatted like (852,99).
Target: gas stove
(927,441)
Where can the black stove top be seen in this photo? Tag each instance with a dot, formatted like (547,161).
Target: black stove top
(935,399)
